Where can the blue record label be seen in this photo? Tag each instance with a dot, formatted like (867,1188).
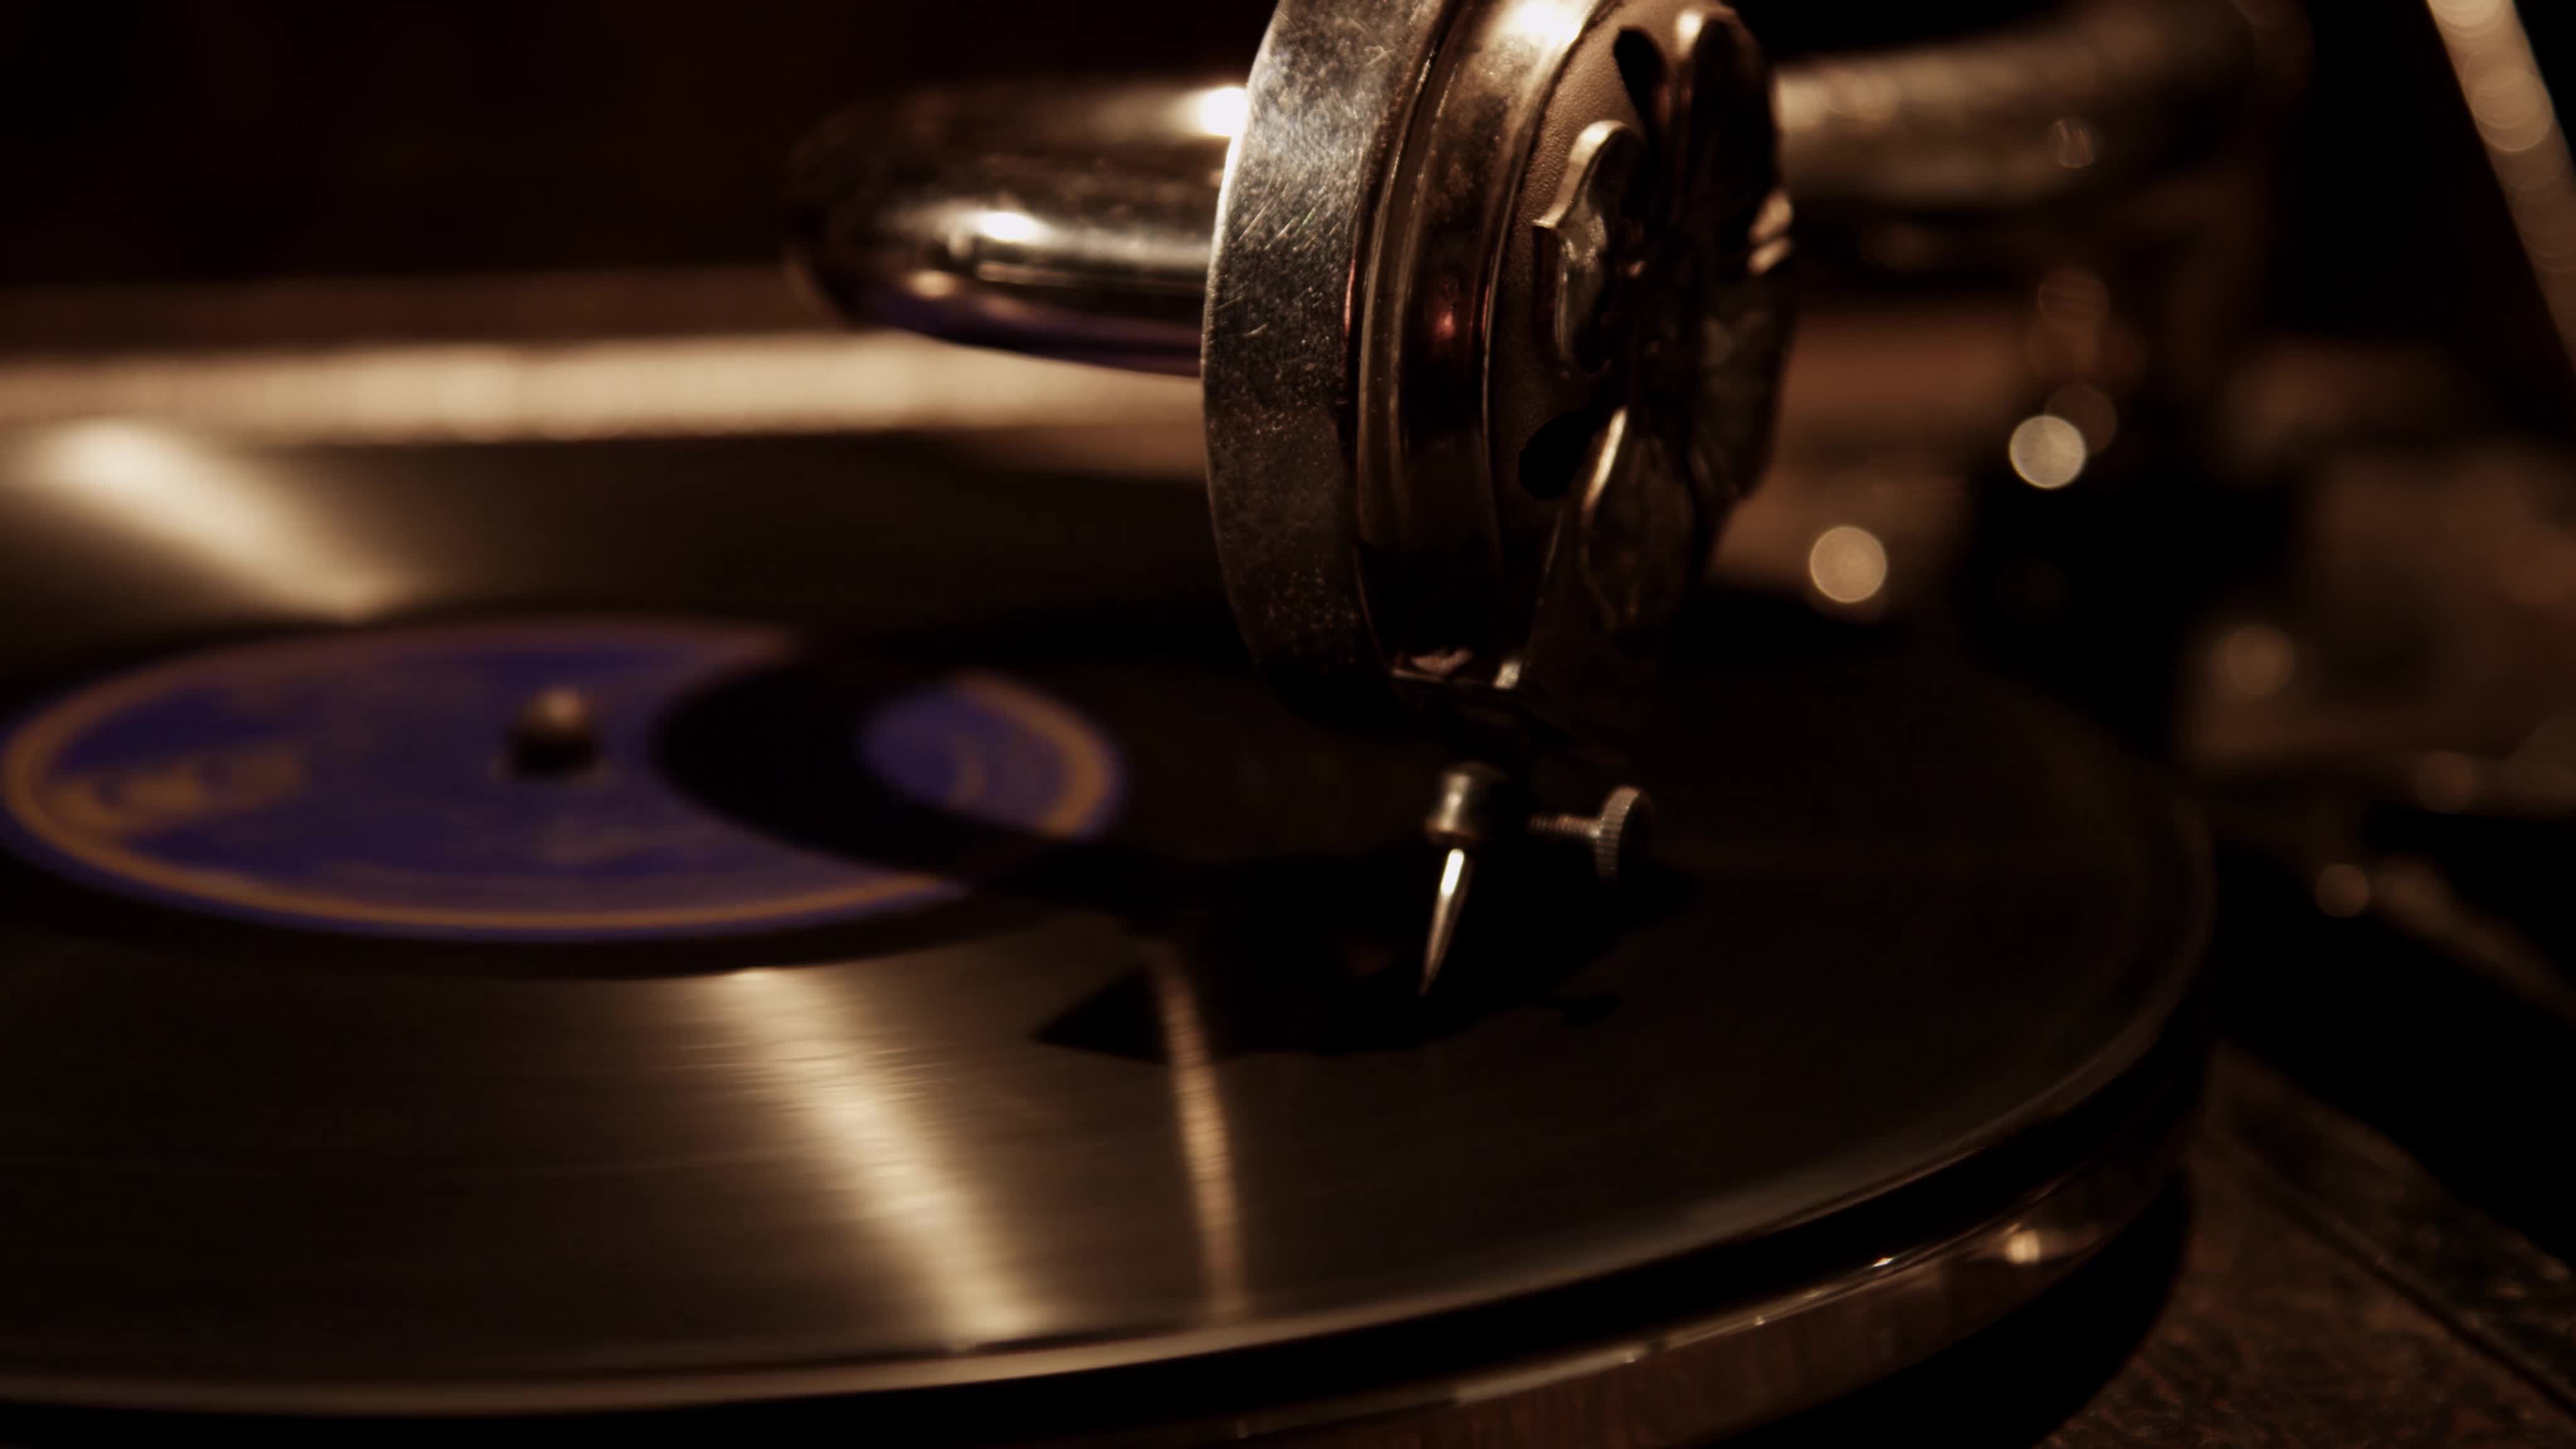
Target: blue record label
(362,783)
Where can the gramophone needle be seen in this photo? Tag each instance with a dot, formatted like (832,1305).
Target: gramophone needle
(1445,910)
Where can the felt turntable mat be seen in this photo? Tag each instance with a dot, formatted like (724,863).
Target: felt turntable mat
(1124,1089)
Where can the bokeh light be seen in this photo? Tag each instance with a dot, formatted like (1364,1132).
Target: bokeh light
(1848,565)
(2049,452)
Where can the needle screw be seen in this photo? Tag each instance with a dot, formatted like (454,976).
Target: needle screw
(1620,838)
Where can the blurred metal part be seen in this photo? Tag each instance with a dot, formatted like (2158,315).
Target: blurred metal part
(1105,195)
(2417,897)
(2508,99)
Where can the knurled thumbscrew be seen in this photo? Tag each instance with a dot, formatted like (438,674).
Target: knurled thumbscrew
(1620,838)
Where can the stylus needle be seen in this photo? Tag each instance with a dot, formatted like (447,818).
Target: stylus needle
(1445,910)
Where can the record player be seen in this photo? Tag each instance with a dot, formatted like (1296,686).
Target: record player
(1634,724)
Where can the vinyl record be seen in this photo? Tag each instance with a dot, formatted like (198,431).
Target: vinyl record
(1009,1016)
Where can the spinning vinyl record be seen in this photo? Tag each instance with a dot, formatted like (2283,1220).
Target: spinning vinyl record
(1016,1033)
